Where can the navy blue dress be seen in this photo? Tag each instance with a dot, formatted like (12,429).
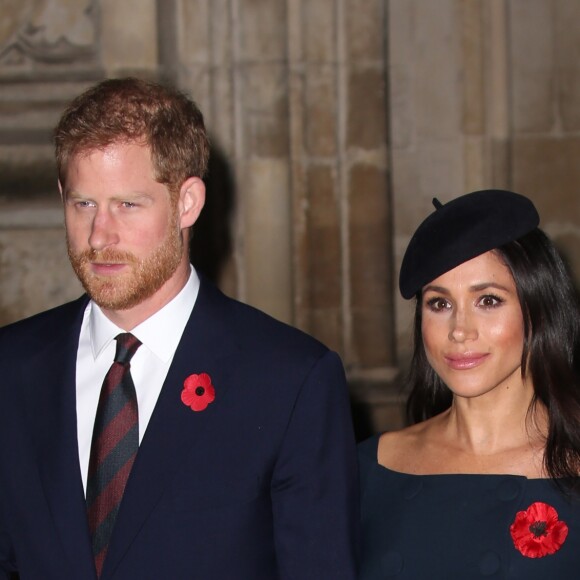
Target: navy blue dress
(457,527)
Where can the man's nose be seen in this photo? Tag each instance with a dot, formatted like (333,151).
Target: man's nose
(104,231)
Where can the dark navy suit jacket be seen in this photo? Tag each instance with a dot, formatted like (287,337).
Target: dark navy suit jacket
(260,485)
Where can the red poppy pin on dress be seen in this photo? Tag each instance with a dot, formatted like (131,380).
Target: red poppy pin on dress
(198,392)
(537,531)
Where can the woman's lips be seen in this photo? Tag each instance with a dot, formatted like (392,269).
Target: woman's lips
(465,361)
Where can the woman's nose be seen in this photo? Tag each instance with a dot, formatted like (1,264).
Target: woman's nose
(462,327)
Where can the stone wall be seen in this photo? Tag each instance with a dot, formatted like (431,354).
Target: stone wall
(49,52)
(484,93)
(545,104)
(333,122)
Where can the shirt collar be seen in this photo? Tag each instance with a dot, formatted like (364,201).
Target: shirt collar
(160,333)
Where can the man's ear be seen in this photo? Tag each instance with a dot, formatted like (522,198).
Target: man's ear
(191,201)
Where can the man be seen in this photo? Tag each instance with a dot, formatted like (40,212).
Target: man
(155,428)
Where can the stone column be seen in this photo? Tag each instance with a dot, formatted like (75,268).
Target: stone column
(340,182)
(545,84)
(232,58)
(48,54)
(294,94)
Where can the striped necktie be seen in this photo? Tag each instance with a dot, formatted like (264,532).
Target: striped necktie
(114,447)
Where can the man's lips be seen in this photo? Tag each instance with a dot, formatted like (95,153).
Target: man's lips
(107,268)
(466,361)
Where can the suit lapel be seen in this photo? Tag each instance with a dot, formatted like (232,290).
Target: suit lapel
(173,428)
(56,428)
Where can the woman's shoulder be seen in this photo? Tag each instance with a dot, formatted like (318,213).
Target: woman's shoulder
(396,448)
(371,447)
(389,448)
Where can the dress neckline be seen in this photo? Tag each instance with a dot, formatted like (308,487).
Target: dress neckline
(396,473)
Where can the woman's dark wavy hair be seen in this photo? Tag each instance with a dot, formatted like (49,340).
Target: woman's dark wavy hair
(551,354)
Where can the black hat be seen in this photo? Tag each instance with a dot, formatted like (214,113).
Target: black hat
(462,229)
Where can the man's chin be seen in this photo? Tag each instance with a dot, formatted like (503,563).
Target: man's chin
(109,295)
(114,302)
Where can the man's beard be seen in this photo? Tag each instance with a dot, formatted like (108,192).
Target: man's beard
(144,276)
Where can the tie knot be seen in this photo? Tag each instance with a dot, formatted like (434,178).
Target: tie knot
(127,346)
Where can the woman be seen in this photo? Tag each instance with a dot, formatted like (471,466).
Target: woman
(482,485)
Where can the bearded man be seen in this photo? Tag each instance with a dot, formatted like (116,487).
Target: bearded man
(155,428)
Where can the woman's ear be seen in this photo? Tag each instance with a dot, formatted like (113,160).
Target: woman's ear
(191,201)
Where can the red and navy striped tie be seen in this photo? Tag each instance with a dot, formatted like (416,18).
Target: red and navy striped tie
(114,447)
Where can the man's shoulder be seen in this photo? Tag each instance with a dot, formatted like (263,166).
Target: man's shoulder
(258,329)
(46,322)
(276,349)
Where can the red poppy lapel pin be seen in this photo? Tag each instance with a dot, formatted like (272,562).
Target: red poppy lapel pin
(537,531)
(198,392)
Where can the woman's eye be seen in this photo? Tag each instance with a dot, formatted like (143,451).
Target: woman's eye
(490,301)
(437,304)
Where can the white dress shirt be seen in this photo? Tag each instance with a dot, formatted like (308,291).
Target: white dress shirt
(160,335)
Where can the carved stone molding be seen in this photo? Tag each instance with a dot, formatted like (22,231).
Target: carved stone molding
(40,33)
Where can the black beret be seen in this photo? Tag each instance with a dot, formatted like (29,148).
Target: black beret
(462,229)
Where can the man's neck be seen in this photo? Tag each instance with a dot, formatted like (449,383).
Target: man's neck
(129,318)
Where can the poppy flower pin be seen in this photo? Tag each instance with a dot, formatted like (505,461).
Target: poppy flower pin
(537,531)
(198,392)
